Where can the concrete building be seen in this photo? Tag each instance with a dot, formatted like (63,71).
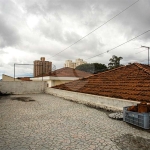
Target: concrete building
(71,64)
(42,67)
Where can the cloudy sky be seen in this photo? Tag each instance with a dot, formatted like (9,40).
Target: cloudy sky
(42,28)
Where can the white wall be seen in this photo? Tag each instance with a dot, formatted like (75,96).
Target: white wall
(93,100)
(52,81)
(57,82)
(22,87)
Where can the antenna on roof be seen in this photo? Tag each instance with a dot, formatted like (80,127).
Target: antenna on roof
(148,51)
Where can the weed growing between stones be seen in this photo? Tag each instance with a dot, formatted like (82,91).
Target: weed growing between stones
(5,94)
(23,99)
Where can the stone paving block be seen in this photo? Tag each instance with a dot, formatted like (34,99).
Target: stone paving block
(53,123)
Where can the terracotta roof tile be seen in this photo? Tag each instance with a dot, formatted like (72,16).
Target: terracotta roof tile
(24,78)
(131,82)
(69,72)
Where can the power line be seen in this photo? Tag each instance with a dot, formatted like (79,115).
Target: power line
(138,48)
(96,28)
(140,51)
(144,60)
(119,45)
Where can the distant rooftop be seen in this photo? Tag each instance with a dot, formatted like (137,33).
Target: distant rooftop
(68,72)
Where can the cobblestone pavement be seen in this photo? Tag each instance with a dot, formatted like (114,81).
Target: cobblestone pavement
(53,123)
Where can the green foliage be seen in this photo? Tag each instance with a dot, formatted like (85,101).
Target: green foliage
(92,68)
(114,62)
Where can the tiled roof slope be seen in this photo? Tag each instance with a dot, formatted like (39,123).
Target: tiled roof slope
(68,72)
(42,75)
(24,78)
(131,82)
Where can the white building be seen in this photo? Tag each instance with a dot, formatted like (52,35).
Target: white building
(71,64)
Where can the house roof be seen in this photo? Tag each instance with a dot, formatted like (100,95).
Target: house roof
(131,82)
(67,72)
(24,78)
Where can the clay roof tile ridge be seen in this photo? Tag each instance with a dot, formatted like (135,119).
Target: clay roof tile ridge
(102,72)
(141,67)
(76,72)
(82,78)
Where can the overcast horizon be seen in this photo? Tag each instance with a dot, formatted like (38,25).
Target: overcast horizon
(42,28)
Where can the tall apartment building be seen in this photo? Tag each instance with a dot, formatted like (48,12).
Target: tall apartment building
(71,64)
(42,67)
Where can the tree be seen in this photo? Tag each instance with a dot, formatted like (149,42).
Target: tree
(92,68)
(114,62)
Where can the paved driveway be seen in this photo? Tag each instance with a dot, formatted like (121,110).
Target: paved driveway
(53,123)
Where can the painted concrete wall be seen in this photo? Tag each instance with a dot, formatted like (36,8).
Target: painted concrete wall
(47,78)
(22,87)
(8,78)
(52,81)
(56,82)
(93,100)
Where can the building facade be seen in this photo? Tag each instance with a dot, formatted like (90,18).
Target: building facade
(42,67)
(71,64)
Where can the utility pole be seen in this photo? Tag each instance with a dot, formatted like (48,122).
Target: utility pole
(42,70)
(14,71)
(15,66)
(148,52)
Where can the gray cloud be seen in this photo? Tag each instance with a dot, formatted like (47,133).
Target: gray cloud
(8,34)
(51,29)
(60,23)
(2,52)
(133,21)
(71,37)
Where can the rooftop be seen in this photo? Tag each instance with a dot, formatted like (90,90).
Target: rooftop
(24,78)
(131,82)
(68,72)
(49,122)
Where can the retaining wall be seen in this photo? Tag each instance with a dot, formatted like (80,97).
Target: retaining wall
(93,100)
(22,87)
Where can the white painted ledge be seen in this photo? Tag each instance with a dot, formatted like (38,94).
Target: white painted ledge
(108,103)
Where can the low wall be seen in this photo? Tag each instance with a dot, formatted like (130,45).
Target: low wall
(22,87)
(108,103)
